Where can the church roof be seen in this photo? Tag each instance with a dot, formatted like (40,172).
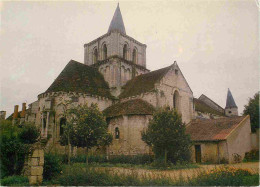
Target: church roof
(130,107)
(200,106)
(143,83)
(213,129)
(78,77)
(230,101)
(117,23)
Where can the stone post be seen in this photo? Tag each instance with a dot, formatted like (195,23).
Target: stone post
(33,167)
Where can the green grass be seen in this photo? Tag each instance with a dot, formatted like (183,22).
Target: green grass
(79,174)
(146,166)
(14,181)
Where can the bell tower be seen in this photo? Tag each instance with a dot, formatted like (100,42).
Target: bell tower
(231,107)
(117,56)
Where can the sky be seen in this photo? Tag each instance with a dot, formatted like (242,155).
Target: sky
(215,43)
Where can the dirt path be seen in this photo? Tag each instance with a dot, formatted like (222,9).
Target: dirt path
(176,174)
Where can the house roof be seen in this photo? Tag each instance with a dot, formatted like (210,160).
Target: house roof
(11,116)
(213,129)
(117,23)
(230,103)
(201,98)
(143,83)
(78,77)
(200,106)
(130,107)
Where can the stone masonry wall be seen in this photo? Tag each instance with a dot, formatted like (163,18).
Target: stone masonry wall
(33,167)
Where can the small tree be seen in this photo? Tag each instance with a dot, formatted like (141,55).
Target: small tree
(166,135)
(87,128)
(252,109)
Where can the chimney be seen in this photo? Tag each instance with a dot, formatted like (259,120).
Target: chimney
(2,114)
(15,116)
(23,110)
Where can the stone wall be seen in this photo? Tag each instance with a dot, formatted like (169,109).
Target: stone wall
(239,141)
(33,167)
(129,141)
(115,42)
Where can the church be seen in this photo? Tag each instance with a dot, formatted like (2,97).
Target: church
(115,77)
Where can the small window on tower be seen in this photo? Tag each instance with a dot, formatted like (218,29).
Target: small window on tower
(117,133)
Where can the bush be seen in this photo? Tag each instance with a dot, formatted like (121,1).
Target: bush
(52,166)
(15,181)
(128,159)
(224,176)
(253,155)
(14,145)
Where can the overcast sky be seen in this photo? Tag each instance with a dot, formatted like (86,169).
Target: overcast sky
(215,43)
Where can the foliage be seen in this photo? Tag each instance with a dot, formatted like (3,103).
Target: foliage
(14,144)
(86,127)
(52,166)
(253,155)
(252,109)
(129,159)
(80,175)
(166,135)
(15,181)
(225,176)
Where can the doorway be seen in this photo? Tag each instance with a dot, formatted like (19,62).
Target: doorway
(198,153)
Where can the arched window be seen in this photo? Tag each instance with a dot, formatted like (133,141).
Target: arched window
(135,56)
(95,56)
(176,100)
(125,52)
(104,51)
(117,133)
(62,123)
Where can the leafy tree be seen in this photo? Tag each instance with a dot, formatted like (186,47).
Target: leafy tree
(166,135)
(252,109)
(86,127)
(14,144)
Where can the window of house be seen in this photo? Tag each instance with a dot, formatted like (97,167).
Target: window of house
(175,100)
(62,123)
(135,56)
(125,52)
(104,51)
(176,72)
(117,133)
(95,56)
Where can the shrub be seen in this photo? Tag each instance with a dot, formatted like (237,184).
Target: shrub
(15,181)
(225,176)
(52,166)
(131,159)
(253,155)
(14,145)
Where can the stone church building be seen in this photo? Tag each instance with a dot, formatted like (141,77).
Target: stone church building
(114,75)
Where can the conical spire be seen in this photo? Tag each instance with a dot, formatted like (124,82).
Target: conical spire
(117,23)
(230,101)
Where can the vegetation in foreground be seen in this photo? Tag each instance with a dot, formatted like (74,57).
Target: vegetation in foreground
(77,175)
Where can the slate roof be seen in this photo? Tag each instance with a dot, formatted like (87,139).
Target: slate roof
(200,106)
(143,83)
(130,107)
(117,23)
(78,77)
(230,103)
(213,129)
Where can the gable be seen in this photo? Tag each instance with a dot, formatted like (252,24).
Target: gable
(80,78)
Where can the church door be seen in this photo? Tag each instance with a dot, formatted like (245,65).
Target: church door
(198,153)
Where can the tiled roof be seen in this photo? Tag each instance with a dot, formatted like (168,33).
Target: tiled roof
(78,77)
(200,106)
(212,129)
(130,107)
(230,101)
(143,83)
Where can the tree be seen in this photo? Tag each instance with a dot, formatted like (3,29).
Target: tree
(166,135)
(86,128)
(252,109)
(15,143)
